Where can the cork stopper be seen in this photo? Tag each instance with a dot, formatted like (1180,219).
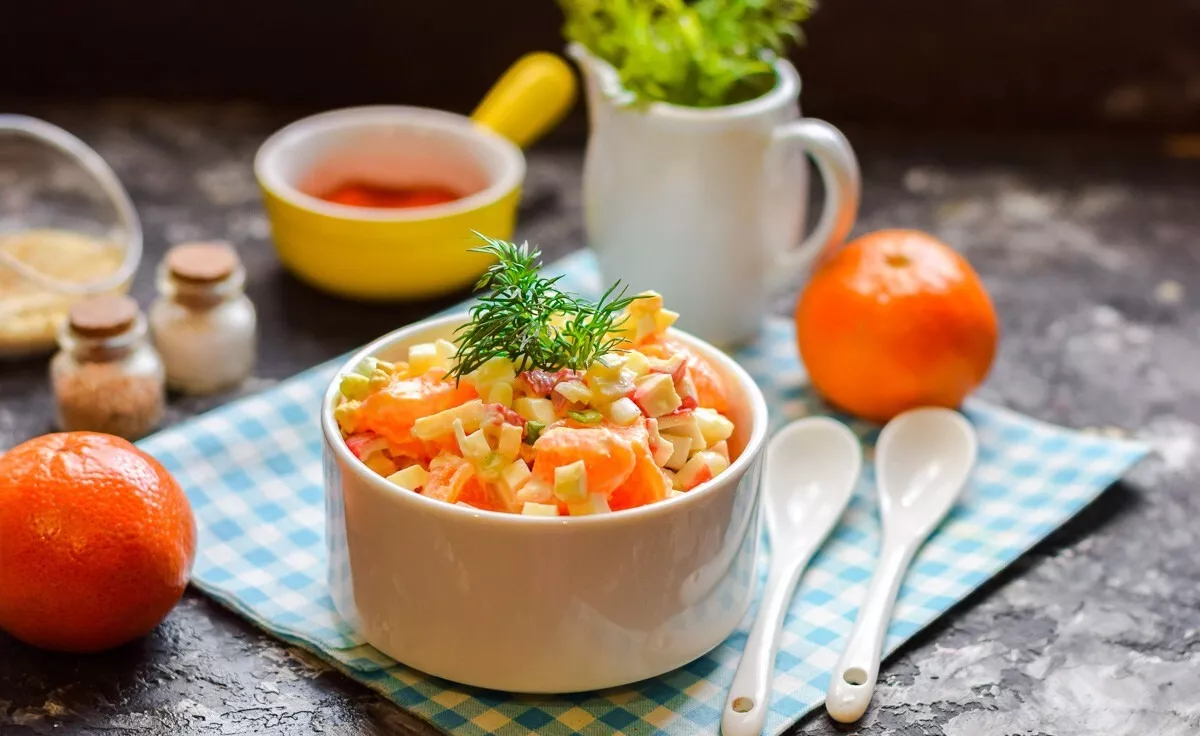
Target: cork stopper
(103,316)
(202,263)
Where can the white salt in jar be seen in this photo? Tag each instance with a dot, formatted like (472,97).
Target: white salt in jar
(203,324)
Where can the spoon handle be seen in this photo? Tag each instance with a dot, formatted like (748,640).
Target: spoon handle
(750,695)
(853,680)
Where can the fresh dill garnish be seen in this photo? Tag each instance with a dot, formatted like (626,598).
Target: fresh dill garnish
(529,320)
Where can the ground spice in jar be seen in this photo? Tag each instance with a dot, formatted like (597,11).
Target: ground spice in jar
(106,376)
(100,397)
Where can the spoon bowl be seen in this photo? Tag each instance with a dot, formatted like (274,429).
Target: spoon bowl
(811,468)
(922,460)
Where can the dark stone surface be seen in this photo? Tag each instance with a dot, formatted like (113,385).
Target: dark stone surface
(1092,252)
(923,64)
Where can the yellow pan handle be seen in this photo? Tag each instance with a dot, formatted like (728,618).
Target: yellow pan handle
(532,96)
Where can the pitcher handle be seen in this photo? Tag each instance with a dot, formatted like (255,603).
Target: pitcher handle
(843,185)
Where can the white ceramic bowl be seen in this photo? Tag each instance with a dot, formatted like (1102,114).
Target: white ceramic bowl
(543,605)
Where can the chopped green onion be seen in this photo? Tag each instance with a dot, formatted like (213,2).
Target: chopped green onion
(587,416)
(533,430)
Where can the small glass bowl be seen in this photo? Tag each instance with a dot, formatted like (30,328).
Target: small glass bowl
(51,181)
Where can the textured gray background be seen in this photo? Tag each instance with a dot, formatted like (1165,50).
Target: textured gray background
(1091,249)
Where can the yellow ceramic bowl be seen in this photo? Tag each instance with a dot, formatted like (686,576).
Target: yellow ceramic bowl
(387,254)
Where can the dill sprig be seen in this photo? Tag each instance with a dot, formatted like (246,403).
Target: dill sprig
(529,320)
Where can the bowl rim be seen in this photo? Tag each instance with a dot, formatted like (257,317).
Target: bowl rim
(303,130)
(755,444)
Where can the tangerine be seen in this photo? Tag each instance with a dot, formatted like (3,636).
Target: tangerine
(392,411)
(97,542)
(645,484)
(452,480)
(895,320)
(609,458)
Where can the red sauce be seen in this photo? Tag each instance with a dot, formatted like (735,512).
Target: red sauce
(361,194)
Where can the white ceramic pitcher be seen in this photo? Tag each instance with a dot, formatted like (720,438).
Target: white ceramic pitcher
(707,205)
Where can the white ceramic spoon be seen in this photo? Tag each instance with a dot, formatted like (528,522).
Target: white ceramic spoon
(922,461)
(811,468)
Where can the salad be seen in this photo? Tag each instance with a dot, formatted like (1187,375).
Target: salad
(543,404)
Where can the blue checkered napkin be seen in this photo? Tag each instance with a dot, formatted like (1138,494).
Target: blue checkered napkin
(252,470)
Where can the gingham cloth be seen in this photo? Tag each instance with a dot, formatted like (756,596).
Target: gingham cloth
(252,470)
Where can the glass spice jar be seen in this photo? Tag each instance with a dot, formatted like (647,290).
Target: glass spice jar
(202,322)
(106,376)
